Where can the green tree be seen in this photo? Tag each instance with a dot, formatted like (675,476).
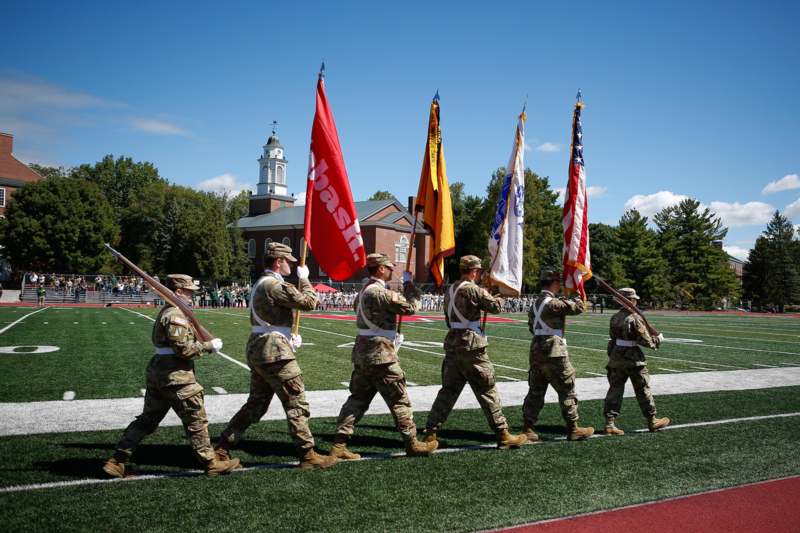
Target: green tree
(49,172)
(59,224)
(782,281)
(755,273)
(382,195)
(606,262)
(471,232)
(640,258)
(699,270)
(542,240)
(237,207)
(120,179)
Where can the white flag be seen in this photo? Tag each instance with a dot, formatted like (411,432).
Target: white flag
(505,238)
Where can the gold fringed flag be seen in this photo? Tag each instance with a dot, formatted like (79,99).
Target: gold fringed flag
(433,197)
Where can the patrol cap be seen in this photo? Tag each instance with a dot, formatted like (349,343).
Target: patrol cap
(181,281)
(469,262)
(629,293)
(376,260)
(276,250)
(549,275)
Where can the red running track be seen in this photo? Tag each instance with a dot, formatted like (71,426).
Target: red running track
(768,506)
(412,318)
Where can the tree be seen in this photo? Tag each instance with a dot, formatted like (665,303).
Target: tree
(120,179)
(471,232)
(604,247)
(237,207)
(699,271)
(755,273)
(59,225)
(640,258)
(779,280)
(49,172)
(382,195)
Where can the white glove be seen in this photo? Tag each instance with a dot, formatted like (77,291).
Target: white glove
(296,341)
(302,272)
(216,344)
(398,341)
(660,338)
(407,277)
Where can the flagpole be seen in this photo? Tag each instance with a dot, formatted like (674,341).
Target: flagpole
(302,263)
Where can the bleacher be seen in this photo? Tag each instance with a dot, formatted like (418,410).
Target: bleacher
(92,293)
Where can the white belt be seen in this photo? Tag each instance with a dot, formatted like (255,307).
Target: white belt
(285,331)
(627,344)
(388,333)
(474,325)
(549,332)
(164,351)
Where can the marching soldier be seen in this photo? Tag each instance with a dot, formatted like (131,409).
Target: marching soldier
(376,368)
(171,384)
(270,356)
(549,360)
(626,360)
(466,360)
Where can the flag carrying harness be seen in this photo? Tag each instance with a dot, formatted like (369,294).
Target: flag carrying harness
(263,326)
(373,330)
(539,327)
(461,322)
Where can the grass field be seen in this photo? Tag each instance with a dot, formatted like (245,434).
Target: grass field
(102,354)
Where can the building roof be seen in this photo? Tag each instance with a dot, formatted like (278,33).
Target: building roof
(274,141)
(13,172)
(294,217)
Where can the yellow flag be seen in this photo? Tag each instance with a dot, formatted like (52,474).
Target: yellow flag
(433,197)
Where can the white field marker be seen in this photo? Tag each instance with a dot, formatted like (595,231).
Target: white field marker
(765,366)
(345,384)
(69,395)
(700,368)
(411,384)
(671,370)
(507,378)
(74,322)
(596,374)
(219,390)
(20,319)
(143,391)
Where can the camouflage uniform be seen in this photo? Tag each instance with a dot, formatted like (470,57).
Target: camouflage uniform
(171,384)
(466,360)
(274,368)
(549,360)
(626,360)
(376,368)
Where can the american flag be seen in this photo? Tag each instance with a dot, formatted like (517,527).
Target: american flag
(577,261)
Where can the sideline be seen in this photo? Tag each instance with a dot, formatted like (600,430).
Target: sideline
(20,319)
(369,457)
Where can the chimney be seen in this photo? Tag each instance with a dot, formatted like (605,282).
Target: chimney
(6,143)
(411,205)
(718,244)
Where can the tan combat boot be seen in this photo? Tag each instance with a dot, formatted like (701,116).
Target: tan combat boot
(530,434)
(114,467)
(657,424)
(575,432)
(506,440)
(311,460)
(611,427)
(222,451)
(430,436)
(415,448)
(216,467)
(340,451)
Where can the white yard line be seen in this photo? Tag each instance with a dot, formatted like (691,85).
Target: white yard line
(20,319)
(765,366)
(223,355)
(595,374)
(671,370)
(370,457)
(219,390)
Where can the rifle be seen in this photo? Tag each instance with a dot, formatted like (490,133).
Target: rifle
(165,293)
(627,304)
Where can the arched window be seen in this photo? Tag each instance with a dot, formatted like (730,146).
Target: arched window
(266,243)
(286,241)
(251,248)
(281,179)
(401,250)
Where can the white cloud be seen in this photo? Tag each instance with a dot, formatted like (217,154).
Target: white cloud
(560,191)
(595,191)
(792,210)
(737,251)
(650,204)
(748,214)
(528,147)
(224,183)
(299,199)
(17,95)
(159,127)
(548,148)
(786,183)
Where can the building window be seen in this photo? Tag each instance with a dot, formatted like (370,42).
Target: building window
(401,250)
(266,244)
(251,248)
(280,175)
(2,197)
(286,241)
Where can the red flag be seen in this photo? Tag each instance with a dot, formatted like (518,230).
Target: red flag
(331,223)
(577,258)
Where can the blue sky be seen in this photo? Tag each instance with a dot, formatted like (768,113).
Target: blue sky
(683,98)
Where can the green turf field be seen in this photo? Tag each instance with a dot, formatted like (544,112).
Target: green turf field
(102,352)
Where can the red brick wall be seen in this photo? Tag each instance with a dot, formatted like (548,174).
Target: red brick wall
(13,169)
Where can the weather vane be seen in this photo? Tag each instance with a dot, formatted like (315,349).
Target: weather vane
(274,126)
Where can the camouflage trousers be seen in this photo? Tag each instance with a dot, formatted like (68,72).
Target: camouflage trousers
(367,380)
(187,402)
(640,379)
(458,369)
(285,379)
(560,374)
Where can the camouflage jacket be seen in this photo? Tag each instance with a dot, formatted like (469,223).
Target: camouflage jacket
(627,326)
(275,301)
(553,316)
(381,306)
(470,300)
(172,331)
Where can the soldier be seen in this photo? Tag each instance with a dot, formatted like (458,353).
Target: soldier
(626,360)
(171,384)
(270,356)
(549,360)
(376,368)
(466,360)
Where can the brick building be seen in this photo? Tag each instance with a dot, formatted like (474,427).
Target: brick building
(13,172)
(386,225)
